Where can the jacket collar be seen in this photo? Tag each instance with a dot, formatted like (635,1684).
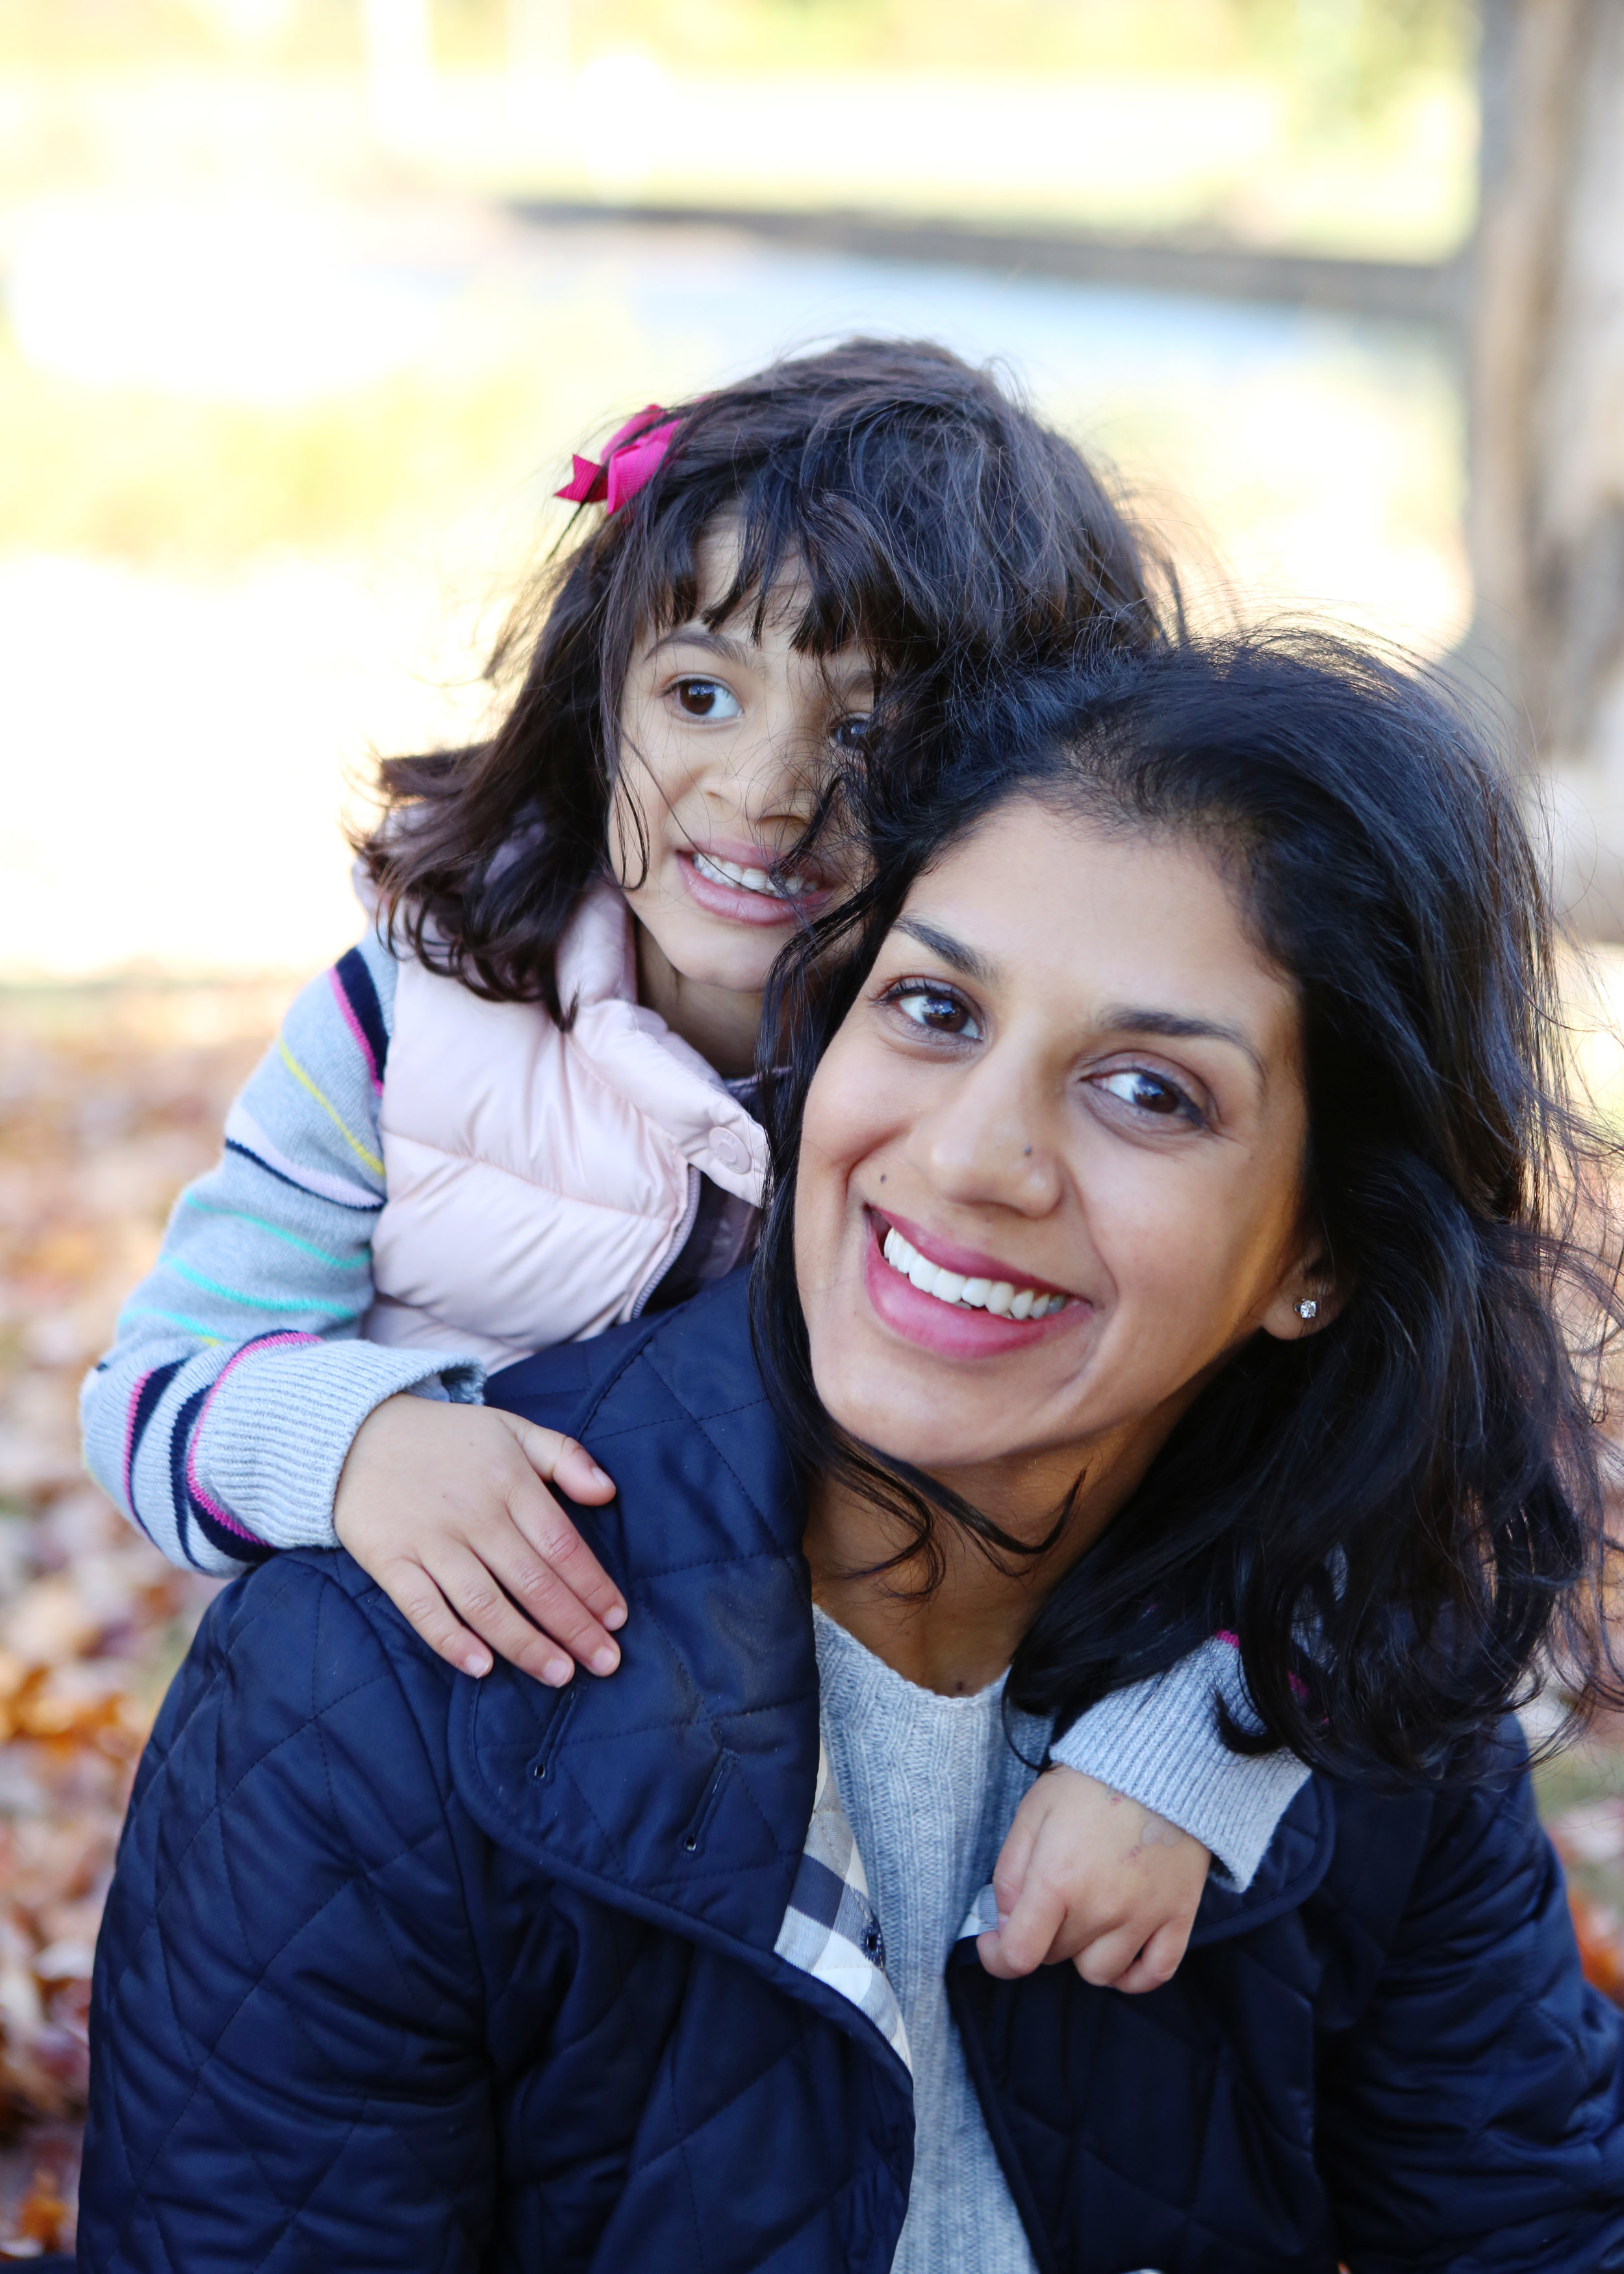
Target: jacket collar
(683,1787)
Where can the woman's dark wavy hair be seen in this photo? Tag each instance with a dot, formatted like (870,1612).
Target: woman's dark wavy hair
(1402,1515)
(935,522)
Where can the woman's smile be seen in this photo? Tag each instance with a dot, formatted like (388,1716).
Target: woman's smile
(956,1301)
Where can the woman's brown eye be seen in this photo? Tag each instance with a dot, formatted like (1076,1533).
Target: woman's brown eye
(848,734)
(707,698)
(936,1011)
(1147,1092)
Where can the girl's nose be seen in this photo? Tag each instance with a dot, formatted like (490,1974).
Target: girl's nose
(989,1144)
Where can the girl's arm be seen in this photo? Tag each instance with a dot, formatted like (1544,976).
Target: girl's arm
(221,1418)
(1158,1743)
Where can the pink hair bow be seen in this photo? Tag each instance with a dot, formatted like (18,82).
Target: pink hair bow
(626,465)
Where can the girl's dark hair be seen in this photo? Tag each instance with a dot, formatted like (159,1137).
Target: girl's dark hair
(1400,1517)
(933,520)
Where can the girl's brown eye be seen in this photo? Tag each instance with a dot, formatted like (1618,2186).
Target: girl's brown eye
(707,698)
(848,734)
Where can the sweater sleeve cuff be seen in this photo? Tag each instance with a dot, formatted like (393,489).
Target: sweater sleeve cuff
(1159,1744)
(279,1422)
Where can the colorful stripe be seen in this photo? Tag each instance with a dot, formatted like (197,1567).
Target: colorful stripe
(201,1500)
(275,1231)
(357,1002)
(360,1151)
(302,1303)
(199,1328)
(244,1135)
(145,1399)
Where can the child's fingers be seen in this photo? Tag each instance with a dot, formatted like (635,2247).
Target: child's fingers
(1025,1937)
(1009,1876)
(1158,1962)
(419,1602)
(561,1461)
(545,1598)
(470,1588)
(1107,1958)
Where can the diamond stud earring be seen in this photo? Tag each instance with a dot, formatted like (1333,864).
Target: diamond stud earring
(1307,1309)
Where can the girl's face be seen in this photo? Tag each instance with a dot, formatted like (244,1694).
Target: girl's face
(725,742)
(1051,1172)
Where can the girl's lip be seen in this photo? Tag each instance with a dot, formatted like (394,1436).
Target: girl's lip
(971,1261)
(953,1330)
(736,902)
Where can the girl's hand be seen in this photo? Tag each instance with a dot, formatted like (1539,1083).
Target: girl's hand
(447,1508)
(1089,1875)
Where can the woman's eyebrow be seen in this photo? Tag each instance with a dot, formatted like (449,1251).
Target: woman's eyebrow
(1129,1020)
(952,952)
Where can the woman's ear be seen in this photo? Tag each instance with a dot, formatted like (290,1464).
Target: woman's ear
(1306,1299)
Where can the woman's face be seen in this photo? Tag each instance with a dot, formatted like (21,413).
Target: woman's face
(1051,1171)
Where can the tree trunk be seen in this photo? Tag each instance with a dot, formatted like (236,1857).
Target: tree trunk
(1547,407)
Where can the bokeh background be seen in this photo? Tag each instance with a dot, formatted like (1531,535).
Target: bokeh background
(304,304)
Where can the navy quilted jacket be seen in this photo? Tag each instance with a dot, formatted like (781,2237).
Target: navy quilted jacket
(405,1971)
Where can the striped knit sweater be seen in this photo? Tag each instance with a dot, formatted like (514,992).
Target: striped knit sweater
(220,1419)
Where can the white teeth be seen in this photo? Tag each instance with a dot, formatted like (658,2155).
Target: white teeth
(751,880)
(995,1295)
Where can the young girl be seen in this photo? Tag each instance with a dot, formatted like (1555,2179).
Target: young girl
(518,1112)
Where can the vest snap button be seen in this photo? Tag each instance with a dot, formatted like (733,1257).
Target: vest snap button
(730,1148)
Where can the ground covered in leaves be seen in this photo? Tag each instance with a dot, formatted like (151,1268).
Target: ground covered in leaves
(110,1099)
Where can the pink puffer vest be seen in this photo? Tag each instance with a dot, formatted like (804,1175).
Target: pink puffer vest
(539,1182)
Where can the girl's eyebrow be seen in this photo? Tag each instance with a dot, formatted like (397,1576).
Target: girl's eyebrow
(737,652)
(744,654)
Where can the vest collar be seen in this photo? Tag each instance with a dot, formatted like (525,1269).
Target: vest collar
(636,1054)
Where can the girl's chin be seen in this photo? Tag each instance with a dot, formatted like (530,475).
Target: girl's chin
(953,1330)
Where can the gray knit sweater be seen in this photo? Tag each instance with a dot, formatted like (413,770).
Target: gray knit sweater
(930,1786)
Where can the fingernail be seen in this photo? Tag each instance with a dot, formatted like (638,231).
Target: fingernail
(616,1618)
(557,1672)
(605,1662)
(478,1663)
(600,1476)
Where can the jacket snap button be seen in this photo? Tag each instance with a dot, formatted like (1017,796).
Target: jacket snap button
(729,1148)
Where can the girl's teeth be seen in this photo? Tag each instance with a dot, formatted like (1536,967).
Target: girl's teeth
(749,880)
(995,1295)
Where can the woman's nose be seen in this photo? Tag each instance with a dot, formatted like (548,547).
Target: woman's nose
(989,1144)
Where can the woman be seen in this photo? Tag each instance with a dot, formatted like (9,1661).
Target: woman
(1157,1248)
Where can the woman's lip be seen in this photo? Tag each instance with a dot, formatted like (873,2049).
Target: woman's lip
(952,1330)
(737,902)
(970,1260)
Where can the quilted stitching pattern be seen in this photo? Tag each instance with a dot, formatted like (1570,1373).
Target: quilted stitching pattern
(370,1994)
